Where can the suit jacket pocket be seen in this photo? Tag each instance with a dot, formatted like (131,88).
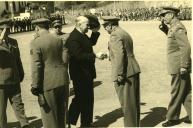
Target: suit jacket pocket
(55,76)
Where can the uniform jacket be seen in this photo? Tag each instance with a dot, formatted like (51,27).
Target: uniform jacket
(82,58)
(48,68)
(11,68)
(178,48)
(64,37)
(121,54)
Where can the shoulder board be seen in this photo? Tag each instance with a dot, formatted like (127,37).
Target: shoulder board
(178,27)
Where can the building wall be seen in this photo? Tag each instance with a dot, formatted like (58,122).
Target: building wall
(2,6)
(6,5)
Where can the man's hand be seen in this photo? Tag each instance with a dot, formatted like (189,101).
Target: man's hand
(35,91)
(95,29)
(120,80)
(163,27)
(183,71)
(101,55)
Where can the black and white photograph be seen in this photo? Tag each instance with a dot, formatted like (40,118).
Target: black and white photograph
(95,64)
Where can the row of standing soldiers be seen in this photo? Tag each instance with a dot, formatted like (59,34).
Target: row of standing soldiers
(24,25)
(141,14)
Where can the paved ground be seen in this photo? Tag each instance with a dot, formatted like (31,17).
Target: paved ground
(150,51)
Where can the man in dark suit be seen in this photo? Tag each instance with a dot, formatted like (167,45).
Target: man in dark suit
(125,71)
(12,74)
(49,74)
(82,71)
(179,65)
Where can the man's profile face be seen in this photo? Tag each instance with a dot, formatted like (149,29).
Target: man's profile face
(168,18)
(36,29)
(108,28)
(58,29)
(84,26)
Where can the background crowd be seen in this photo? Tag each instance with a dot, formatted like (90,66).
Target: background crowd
(23,25)
(143,14)
(137,14)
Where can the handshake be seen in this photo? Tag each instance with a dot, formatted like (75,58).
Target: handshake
(101,55)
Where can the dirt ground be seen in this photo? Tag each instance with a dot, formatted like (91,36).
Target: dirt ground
(150,51)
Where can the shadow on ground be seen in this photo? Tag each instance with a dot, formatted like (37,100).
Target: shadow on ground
(154,117)
(96,83)
(108,118)
(34,124)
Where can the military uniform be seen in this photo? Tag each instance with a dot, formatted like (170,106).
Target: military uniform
(178,56)
(64,37)
(125,65)
(12,74)
(49,76)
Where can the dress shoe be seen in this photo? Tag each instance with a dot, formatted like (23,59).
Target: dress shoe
(187,121)
(87,126)
(26,126)
(170,123)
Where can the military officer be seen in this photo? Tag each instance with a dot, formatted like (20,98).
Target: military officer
(12,74)
(125,70)
(178,55)
(57,30)
(49,76)
(57,26)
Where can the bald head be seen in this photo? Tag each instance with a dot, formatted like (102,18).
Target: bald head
(81,19)
(82,24)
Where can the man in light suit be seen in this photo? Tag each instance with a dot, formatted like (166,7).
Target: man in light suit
(125,71)
(179,65)
(49,74)
(12,74)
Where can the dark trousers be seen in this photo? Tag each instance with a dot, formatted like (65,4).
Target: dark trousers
(129,97)
(83,102)
(180,94)
(53,111)
(13,93)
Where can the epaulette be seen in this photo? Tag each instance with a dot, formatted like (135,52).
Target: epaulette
(177,27)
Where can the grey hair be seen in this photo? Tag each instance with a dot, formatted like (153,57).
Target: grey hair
(80,20)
